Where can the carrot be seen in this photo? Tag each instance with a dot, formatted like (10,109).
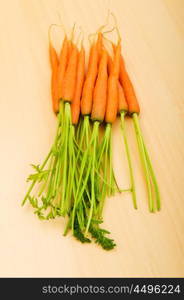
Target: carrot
(63,58)
(112,90)
(99,43)
(69,80)
(54,61)
(133,105)
(68,152)
(87,94)
(122,103)
(116,62)
(112,100)
(109,65)
(70,47)
(70,41)
(54,67)
(98,113)
(75,107)
(100,90)
(134,110)
(122,109)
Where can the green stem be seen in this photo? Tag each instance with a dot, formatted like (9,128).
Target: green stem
(95,132)
(122,115)
(144,161)
(109,151)
(83,130)
(87,129)
(86,161)
(65,153)
(72,169)
(104,187)
(46,181)
(157,193)
(50,186)
(80,189)
(78,129)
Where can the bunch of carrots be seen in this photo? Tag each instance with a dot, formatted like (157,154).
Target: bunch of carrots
(77,174)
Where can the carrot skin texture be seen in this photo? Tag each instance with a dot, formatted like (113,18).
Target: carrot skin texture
(54,61)
(93,61)
(99,43)
(110,65)
(69,81)
(100,90)
(133,105)
(122,103)
(117,61)
(112,90)
(63,58)
(75,106)
(70,45)
(54,67)
(112,100)
(87,94)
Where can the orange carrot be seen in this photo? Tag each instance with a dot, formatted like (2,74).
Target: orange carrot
(116,62)
(53,56)
(87,94)
(69,81)
(70,41)
(70,47)
(99,43)
(110,65)
(133,105)
(54,67)
(122,103)
(93,61)
(112,90)
(112,99)
(75,107)
(91,50)
(100,90)
(63,58)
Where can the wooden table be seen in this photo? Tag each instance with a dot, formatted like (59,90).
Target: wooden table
(153,46)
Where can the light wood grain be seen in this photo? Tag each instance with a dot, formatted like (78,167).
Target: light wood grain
(153,46)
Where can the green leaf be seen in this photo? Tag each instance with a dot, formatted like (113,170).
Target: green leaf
(79,235)
(95,221)
(54,212)
(33,201)
(36,167)
(42,175)
(49,216)
(39,214)
(99,235)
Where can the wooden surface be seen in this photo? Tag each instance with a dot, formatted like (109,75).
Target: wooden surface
(153,46)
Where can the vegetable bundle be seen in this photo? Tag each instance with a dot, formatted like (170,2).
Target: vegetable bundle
(77,174)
